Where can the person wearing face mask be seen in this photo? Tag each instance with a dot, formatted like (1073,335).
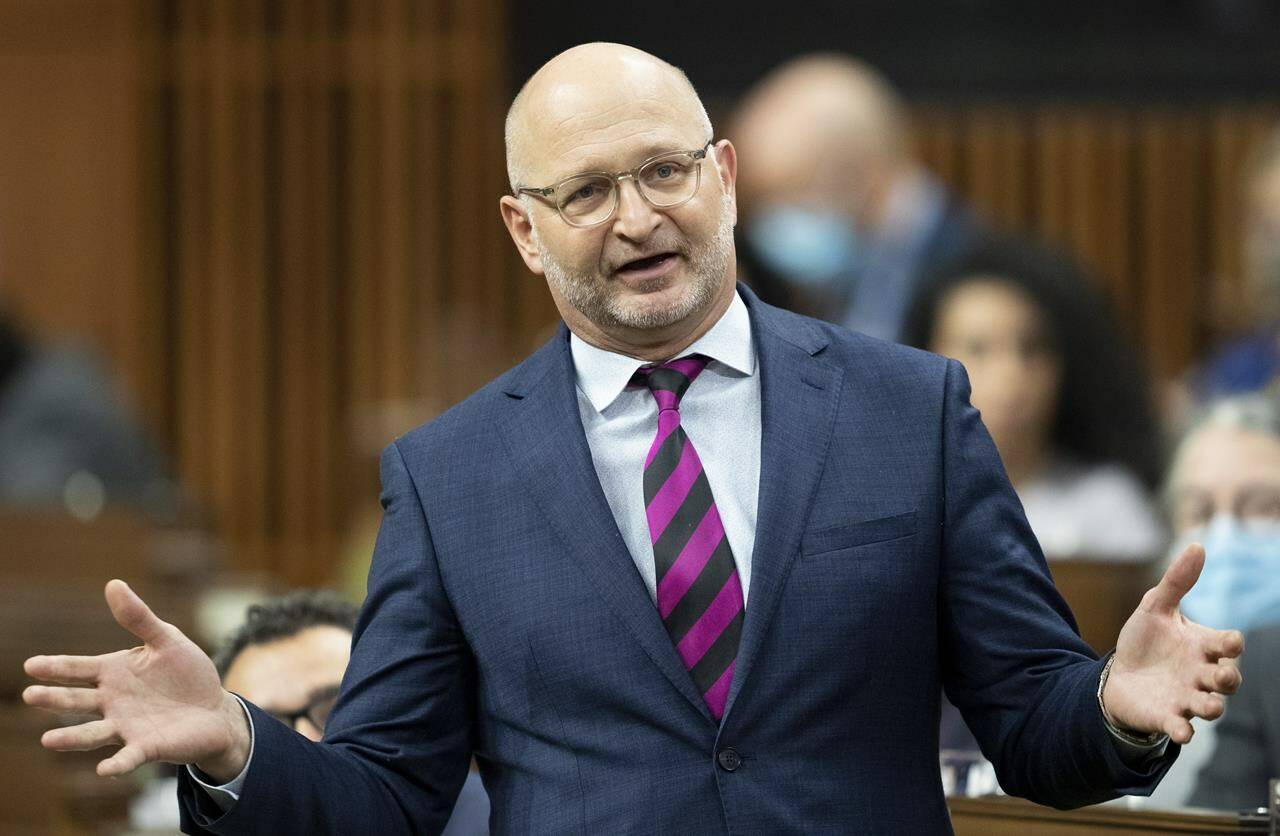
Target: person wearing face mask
(839,220)
(1251,362)
(1224,492)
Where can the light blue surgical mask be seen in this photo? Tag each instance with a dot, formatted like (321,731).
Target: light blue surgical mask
(1239,588)
(809,247)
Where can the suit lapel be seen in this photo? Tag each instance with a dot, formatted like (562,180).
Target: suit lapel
(799,394)
(548,449)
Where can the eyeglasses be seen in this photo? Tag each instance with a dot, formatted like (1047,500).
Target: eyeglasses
(316,711)
(590,198)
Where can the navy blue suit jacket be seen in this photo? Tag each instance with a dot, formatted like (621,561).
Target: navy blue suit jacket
(506,618)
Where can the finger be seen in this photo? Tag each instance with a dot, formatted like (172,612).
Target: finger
(79,700)
(81,738)
(68,670)
(1208,706)
(1177,581)
(1222,678)
(1227,678)
(1223,644)
(132,613)
(122,762)
(1178,729)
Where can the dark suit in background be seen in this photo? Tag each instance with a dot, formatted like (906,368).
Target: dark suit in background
(1247,751)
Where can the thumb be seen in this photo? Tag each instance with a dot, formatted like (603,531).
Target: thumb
(1177,581)
(132,613)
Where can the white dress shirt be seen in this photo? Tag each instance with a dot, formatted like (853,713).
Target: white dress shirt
(720,414)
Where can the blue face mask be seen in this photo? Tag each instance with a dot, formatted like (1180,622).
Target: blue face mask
(809,247)
(1239,588)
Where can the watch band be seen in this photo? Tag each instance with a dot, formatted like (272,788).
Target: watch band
(1149,739)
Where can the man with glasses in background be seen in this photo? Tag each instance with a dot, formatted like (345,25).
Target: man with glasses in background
(288,658)
(698,565)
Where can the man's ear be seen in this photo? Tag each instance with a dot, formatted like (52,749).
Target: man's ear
(726,165)
(516,217)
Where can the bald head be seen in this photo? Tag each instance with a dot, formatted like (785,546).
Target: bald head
(817,120)
(584,86)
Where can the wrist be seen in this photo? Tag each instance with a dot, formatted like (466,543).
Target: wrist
(1129,735)
(224,765)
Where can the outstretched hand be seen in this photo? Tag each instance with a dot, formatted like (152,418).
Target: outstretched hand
(1167,668)
(161,701)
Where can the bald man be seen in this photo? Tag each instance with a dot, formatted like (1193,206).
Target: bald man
(698,565)
(840,220)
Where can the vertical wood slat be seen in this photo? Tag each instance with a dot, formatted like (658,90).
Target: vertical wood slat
(192,401)
(330,440)
(396,311)
(297,275)
(221,377)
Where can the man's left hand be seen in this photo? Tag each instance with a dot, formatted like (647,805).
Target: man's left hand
(1167,668)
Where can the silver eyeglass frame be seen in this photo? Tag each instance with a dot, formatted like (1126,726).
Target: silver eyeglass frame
(547,193)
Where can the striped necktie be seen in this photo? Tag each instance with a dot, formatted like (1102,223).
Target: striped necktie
(699,593)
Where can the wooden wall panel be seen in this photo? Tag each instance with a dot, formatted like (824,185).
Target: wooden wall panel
(1148,196)
(69,179)
(336,167)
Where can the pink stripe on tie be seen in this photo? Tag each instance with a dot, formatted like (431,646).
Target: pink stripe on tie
(667,501)
(717,695)
(704,540)
(690,367)
(703,634)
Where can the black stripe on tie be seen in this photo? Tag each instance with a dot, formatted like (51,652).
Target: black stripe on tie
(682,525)
(669,380)
(718,657)
(663,464)
(715,572)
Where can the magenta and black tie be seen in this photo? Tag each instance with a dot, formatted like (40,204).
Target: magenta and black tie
(699,593)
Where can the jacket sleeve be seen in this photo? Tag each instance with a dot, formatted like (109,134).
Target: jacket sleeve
(397,745)
(1012,658)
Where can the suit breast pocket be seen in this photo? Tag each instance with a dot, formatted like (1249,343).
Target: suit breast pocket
(847,536)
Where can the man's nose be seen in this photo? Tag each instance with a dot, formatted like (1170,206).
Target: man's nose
(636,218)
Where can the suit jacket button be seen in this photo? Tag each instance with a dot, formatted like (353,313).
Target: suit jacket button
(729,759)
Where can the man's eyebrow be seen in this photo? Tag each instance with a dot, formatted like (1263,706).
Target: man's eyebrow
(594,163)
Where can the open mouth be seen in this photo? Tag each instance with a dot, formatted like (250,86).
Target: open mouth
(651,265)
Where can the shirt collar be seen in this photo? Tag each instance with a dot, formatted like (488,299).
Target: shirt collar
(603,375)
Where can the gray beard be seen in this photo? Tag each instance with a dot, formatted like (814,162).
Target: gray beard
(594,297)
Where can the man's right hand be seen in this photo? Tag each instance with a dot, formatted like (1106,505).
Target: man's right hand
(161,701)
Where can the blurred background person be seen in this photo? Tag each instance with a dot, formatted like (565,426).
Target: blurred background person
(1224,492)
(67,440)
(1249,361)
(838,218)
(1064,396)
(288,658)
